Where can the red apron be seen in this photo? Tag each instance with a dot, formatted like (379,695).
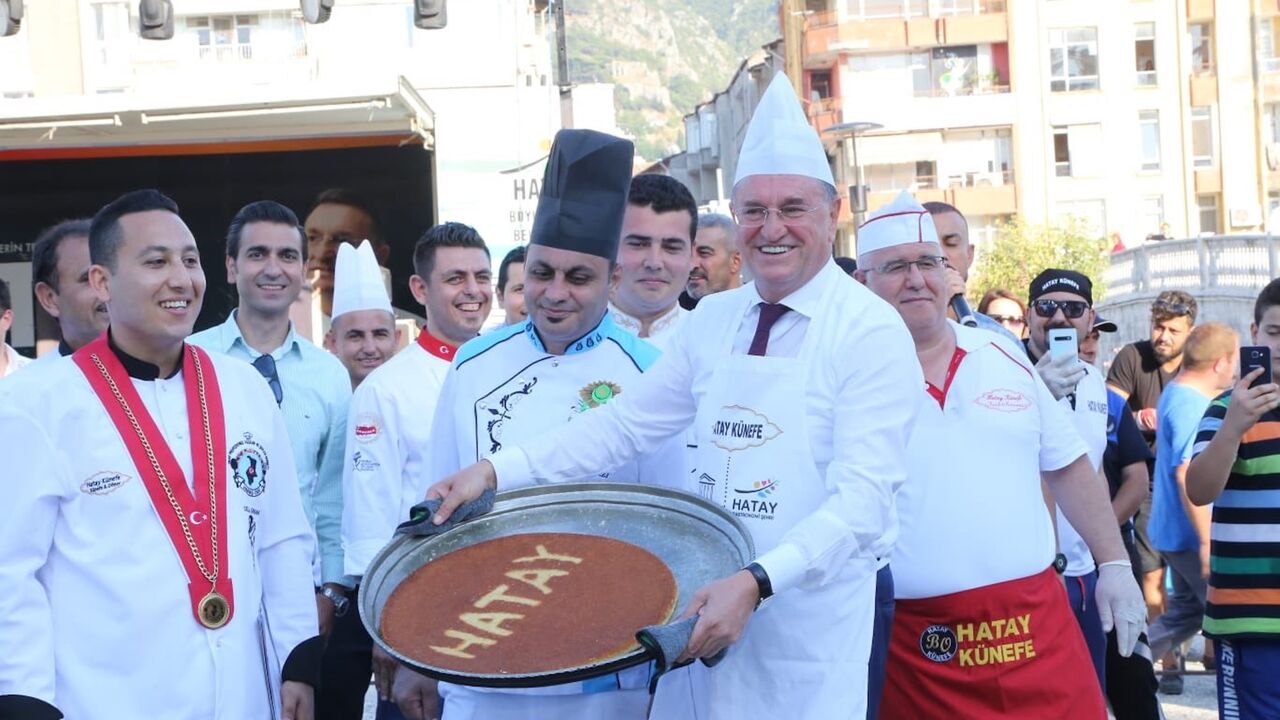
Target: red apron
(1009,650)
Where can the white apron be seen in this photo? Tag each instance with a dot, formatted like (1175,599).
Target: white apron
(804,652)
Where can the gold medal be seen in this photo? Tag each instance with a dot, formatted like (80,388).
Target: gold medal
(213,610)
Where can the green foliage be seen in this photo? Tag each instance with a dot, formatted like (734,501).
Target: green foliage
(686,94)
(1020,250)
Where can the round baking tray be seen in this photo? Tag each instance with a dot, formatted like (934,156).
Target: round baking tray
(698,541)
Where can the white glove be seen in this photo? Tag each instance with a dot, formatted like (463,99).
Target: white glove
(1061,374)
(1120,604)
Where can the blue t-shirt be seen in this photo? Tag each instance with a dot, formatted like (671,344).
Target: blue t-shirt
(1177,418)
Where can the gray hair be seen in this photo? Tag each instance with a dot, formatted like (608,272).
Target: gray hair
(717,220)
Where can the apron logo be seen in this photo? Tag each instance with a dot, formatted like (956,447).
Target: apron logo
(996,641)
(104,483)
(1003,400)
(739,428)
(938,643)
(755,503)
(249,463)
(706,487)
(366,428)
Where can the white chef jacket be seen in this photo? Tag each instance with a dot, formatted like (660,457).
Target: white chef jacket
(385,469)
(96,617)
(662,331)
(859,413)
(1089,418)
(971,511)
(505,388)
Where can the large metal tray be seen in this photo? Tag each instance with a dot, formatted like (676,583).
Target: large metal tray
(698,541)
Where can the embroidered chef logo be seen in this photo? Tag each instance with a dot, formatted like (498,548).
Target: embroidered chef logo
(593,395)
(249,464)
(367,427)
(738,428)
(1003,400)
(753,501)
(104,483)
(996,641)
(363,464)
(938,643)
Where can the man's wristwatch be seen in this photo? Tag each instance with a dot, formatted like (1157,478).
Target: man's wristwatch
(339,600)
(1060,563)
(763,585)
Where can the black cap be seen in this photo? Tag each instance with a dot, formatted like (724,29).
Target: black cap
(584,193)
(1054,280)
(1102,324)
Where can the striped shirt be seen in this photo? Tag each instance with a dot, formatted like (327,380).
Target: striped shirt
(1244,564)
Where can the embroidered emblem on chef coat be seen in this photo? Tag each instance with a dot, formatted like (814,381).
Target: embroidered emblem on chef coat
(104,483)
(501,412)
(249,463)
(738,428)
(362,463)
(593,395)
(938,643)
(367,427)
(1003,400)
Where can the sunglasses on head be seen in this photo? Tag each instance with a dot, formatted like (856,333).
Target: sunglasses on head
(266,367)
(1070,308)
(1172,308)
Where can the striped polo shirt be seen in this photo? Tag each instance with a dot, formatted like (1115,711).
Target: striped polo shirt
(1244,564)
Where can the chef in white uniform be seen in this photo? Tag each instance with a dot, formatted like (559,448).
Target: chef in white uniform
(153,548)
(389,422)
(568,359)
(803,386)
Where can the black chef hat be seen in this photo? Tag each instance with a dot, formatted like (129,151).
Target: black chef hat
(584,193)
(1055,280)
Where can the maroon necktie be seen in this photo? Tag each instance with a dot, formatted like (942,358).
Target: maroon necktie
(769,314)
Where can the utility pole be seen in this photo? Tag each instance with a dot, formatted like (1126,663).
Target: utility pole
(793,42)
(562,69)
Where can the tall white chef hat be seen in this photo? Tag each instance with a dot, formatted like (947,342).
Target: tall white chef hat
(780,140)
(357,281)
(901,222)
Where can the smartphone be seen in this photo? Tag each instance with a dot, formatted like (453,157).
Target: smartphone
(1063,341)
(1253,357)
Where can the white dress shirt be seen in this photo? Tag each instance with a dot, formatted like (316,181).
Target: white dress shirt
(859,409)
(662,331)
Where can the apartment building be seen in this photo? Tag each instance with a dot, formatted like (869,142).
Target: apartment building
(1147,118)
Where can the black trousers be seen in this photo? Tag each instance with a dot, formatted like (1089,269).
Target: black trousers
(346,668)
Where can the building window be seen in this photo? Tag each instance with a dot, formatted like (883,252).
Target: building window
(1144,50)
(886,9)
(1268,45)
(1201,47)
(1153,217)
(1208,205)
(1073,59)
(1202,154)
(1271,122)
(1061,153)
(926,174)
(224,37)
(1149,127)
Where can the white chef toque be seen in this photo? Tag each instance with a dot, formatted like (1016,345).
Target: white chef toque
(780,140)
(901,222)
(357,281)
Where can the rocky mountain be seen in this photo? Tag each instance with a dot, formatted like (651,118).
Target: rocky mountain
(664,56)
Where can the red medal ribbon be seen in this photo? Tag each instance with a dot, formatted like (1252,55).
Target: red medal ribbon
(436,346)
(203,521)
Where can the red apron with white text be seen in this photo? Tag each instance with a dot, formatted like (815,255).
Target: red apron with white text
(1009,650)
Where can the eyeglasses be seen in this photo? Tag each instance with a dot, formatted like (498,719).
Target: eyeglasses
(1070,308)
(755,215)
(1172,308)
(1013,320)
(925,264)
(266,367)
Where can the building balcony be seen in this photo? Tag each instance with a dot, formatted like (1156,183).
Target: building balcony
(824,113)
(887,26)
(975,193)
